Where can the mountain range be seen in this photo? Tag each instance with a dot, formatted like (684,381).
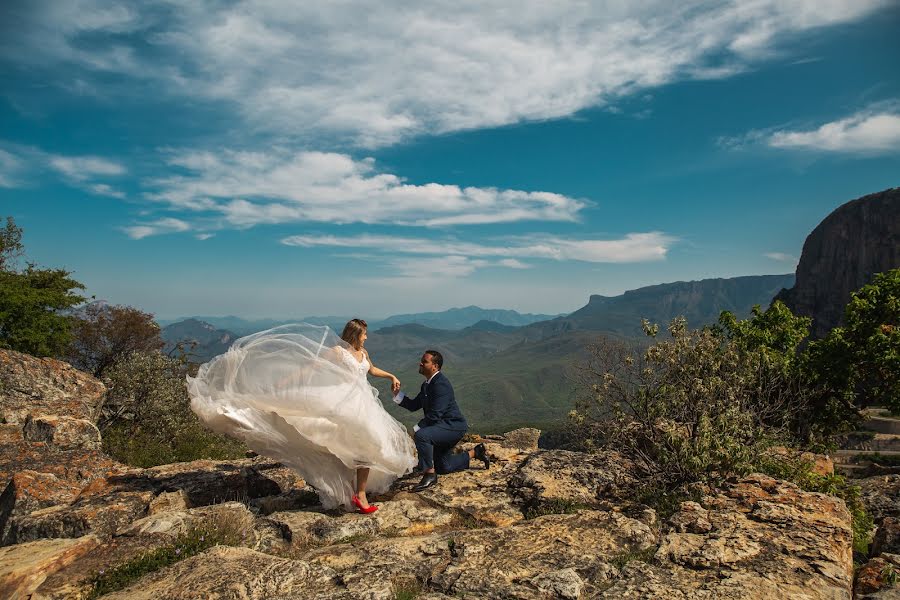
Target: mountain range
(506,374)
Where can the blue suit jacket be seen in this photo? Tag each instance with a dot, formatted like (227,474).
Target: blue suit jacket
(439,403)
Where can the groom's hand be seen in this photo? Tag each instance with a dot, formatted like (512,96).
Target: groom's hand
(395,386)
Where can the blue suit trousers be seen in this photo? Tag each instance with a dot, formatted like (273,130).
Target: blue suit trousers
(435,444)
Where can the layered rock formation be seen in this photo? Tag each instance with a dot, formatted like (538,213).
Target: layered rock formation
(539,524)
(857,240)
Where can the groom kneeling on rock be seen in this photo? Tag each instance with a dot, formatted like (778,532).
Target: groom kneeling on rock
(442,427)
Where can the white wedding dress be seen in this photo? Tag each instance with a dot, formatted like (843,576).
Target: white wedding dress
(295,393)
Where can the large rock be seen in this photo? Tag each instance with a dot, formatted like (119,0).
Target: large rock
(203,482)
(878,580)
(887,537)
(24,567)
(44,386)
(857,240)
(563,477)
(64,433)
(758,539)
(224,573)
(881,496)
(100,515)
(405,515)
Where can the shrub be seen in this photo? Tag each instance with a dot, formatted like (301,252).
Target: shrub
(697,407)
(147,421)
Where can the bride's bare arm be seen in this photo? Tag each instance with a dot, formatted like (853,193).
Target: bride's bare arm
(376,372)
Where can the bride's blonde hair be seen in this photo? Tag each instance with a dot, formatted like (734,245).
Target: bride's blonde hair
(353,330)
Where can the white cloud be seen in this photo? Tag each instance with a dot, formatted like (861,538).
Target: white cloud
(374,74)
(864,132)
(10,165)
(81,168)
(104,190)
(167,225)
(634,247)
(250,188)
(781,257)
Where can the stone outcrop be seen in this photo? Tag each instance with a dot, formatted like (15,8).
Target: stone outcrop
(857,240)
(44,386)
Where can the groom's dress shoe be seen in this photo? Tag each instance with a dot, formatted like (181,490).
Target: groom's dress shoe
(428,480)
(481,454)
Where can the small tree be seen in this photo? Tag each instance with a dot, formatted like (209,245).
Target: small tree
(33,301)
(31,305)
(11,248)
(103,335)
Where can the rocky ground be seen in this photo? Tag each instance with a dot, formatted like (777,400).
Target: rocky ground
(539,524)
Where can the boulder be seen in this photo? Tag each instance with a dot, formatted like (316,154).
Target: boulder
(759,538)
(100,515)
(881,496)
(205,482)
(44,386)
(564,477)
(879,579)
(887,537)
(64,433)
(24,567)
(224,572)
(405,515)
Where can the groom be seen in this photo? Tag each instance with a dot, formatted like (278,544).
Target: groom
(442,427)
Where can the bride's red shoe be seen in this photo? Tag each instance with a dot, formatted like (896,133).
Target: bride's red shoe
(364,510)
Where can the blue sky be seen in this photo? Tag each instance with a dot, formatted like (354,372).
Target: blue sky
(263,159)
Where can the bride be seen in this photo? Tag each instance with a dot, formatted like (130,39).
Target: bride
(299,394)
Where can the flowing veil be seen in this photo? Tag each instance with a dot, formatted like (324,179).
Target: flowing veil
(297,394)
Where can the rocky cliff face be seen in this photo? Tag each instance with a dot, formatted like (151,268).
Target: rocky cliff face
(857,240)
(540,524)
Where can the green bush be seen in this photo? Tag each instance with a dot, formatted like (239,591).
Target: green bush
(147,420)
(696,407)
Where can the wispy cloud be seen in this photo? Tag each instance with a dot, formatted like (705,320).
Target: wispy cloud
(781,257)
(377,74)
(10,166)
(243,189)
(875,130)
(82,168)
(860,133)
(634,247)
(167,225)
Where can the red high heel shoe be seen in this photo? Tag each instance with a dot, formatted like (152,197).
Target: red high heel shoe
(367,510)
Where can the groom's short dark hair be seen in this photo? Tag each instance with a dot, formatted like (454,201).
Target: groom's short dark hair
(436,357)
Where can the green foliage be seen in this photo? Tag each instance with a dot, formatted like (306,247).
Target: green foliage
(801,473)
(147,421)
(859,362)
(700,406)
(11,248)
(407,589)
(30,310)
(32,301)
(886,460)
(194,541)
(102,335)
(554,507)
(620,560)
